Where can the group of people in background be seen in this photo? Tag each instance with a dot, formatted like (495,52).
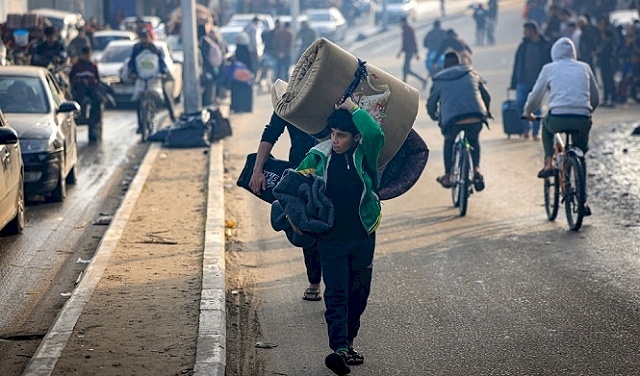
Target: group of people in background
(610,50)
(249,65)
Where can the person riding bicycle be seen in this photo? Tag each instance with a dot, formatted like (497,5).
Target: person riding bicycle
(49,51)
(459,100)
(573,96)
(85,82)
(147,63)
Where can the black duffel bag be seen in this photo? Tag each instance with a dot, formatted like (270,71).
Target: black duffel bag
(190,131)
(273,169)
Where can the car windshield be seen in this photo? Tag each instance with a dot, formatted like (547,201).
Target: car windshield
(319,17)
(24,95)
(100,42)
(116,54)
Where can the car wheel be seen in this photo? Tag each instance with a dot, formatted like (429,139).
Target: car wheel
(72,177)
(60,192)
(17,223)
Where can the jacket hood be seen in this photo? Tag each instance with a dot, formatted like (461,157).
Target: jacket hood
(452,73)
(563,48)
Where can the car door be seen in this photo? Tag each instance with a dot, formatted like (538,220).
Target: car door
(66,124)
(10,169)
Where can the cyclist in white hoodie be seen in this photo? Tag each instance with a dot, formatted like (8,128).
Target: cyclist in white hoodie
(573,96)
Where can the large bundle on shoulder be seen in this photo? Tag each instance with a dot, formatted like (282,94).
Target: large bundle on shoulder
(325,73)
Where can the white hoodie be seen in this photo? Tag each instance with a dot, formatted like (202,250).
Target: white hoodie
(571,84)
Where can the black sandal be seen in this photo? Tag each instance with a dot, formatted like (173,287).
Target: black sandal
(446,183)
(545,173)
(312,294)
(354,358)
(478,182)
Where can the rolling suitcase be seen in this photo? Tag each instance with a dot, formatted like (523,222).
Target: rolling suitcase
(511,117)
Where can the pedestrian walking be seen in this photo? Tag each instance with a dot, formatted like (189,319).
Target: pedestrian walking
(480,18)
(533,53)
(432,42)
(212,59)
(410,49)
(459,100)
(282,41)
(253,30)
(348,164)
(455,43)
(300,143)
(492,21)
(306,36)
(589,36)
(442,12)
(605,62)
(241,74)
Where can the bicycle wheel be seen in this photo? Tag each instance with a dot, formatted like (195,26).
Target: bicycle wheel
(574,188)
(455,173)
(465,182)
(552,195)
(143,126)
(151,114)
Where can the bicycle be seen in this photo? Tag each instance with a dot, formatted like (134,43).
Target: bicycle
(461,173)
(147,109)
(568,183)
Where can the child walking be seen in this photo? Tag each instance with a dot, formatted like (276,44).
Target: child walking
(348,164)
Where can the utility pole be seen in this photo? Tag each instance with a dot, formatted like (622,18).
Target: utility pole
(385,21)
(190,70)
(295,13)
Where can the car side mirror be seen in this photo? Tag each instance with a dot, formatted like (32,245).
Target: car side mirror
(8,136)
(69,106)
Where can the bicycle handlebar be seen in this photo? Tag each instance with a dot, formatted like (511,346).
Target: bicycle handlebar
(535,118)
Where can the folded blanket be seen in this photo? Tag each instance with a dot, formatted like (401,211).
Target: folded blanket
(301,200)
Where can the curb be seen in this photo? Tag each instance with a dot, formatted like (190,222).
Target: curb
(212,327)
(51,347)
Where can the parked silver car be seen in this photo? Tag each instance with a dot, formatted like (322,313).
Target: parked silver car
(11,181)
(43,116)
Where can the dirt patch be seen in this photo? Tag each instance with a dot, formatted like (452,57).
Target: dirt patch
(17,347)
(143,316)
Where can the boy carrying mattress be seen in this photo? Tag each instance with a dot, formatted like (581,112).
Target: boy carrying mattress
(348,164)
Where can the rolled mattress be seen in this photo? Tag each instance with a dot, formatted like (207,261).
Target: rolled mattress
(320,78)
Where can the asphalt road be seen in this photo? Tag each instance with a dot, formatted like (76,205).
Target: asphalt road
(39,268)
(502,291)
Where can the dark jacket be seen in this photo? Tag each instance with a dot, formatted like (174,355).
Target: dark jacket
(301,142)
(409,44)
(46,54)
(86,71)
(434,38)
(454,43)
(301,200)
(457,93)
(525,71)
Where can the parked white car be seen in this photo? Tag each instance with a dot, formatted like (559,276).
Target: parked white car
(243,19)
(102,38)
(328,23)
